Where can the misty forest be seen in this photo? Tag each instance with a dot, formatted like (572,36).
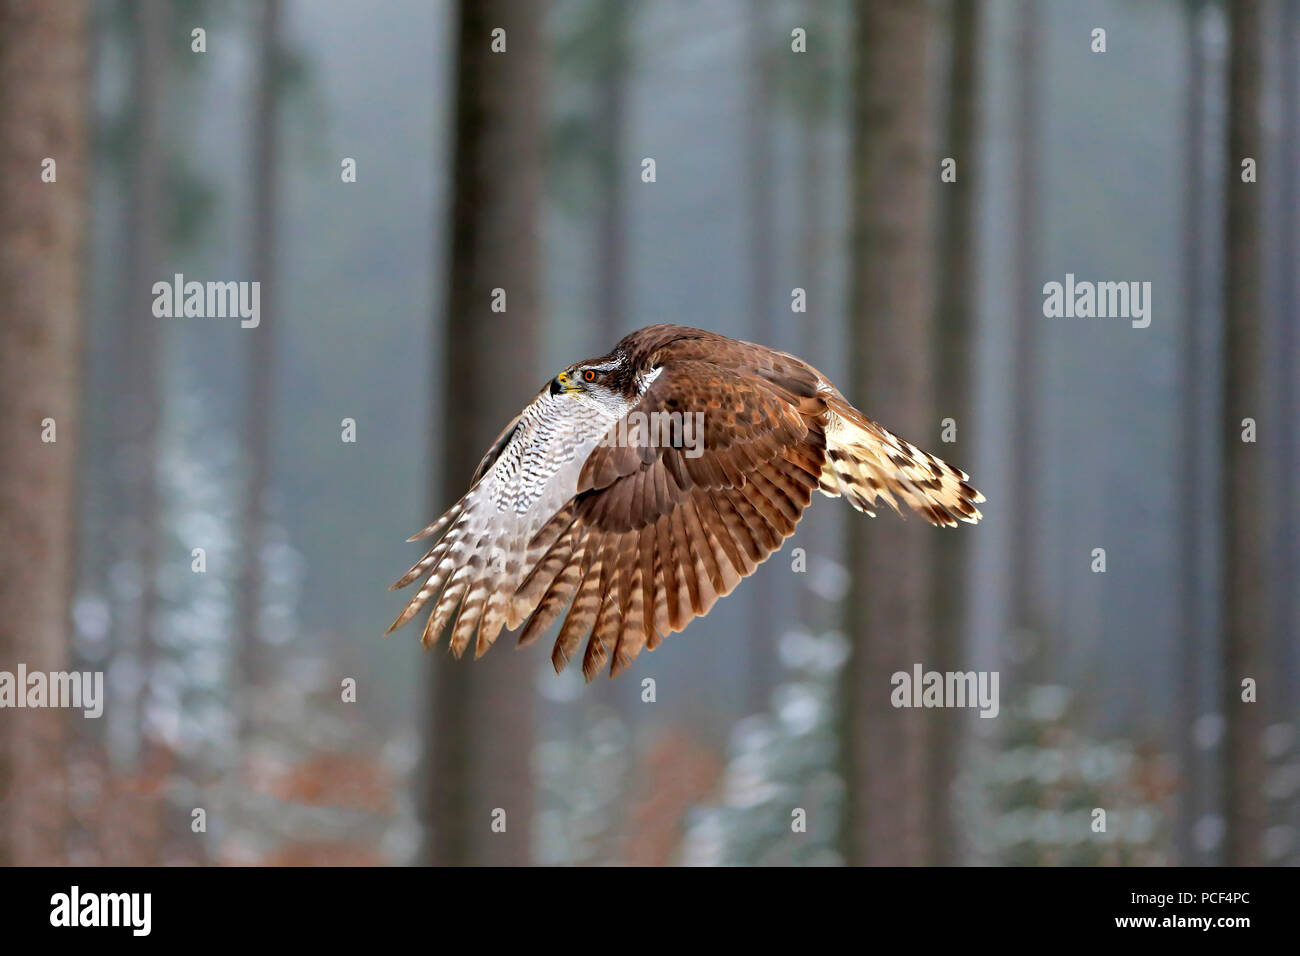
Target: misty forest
(275,273)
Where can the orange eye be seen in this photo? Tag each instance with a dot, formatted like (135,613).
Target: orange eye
(589,376)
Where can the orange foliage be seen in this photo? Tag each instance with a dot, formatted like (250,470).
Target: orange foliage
(340,780)
(675,774)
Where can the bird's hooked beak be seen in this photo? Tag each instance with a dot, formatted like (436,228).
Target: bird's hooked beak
(564,384)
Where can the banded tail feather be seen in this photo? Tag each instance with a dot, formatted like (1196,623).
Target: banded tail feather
(867,463)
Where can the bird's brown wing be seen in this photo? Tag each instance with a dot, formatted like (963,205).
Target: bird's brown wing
(658,531)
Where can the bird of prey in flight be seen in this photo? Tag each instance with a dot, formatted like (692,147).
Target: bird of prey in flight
(639,487)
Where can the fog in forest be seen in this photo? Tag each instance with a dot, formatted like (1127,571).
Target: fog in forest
(886,191)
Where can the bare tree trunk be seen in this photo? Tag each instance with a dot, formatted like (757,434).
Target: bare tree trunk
(818,530)
(954,352)
(1191,637)
(1024,561)
(758,149)
(259,402)
(43,115)
(1244,592)
(1286,400)
(887,614)
(764,609)
(611,270)
(611,230)
(148,229)
(479,737)
(1285,656)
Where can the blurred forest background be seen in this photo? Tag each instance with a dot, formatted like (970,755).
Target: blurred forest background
(797,150)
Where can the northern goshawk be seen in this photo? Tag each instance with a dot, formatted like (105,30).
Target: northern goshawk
(639,487)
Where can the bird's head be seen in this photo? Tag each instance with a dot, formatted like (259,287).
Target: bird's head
(603,381)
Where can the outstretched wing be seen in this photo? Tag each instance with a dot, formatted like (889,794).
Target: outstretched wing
(706,477)
(488,541)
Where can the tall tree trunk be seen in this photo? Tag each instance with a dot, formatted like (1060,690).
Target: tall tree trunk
(765,607)
(954,354)
(611,229)
(888,610)
(758,150)
(479,737)
(1190,635)
(148,230)
(1285,403)
(818,530)
(257,412)
(43,115)
(1024,562)
(611,269)
(1244,593)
